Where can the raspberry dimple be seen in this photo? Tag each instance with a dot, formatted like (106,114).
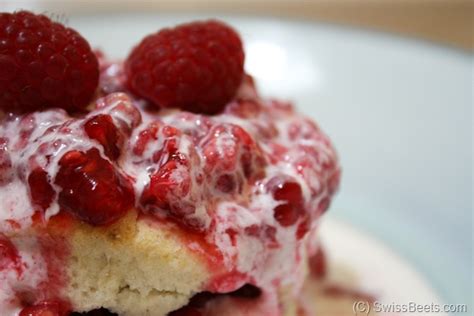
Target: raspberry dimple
(43,64)
(92,189)
(196,66)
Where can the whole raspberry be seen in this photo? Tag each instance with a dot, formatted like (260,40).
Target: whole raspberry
(197,67)
(92,188)
(43,64)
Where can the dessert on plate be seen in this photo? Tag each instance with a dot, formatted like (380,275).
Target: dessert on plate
(158,185)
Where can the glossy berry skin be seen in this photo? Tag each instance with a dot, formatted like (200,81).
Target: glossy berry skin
(44,64)
(92,189)
(196,67)
(102,129)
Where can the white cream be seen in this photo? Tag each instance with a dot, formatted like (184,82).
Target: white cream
(33,271)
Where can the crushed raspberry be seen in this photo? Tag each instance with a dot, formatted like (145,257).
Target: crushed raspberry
(226,183)
(288,193)
(222,148)
(244,108)
(9,257)
(303,226)
(44,64)
(42,194)
(147,135)
(303,129)
(167,191)
(231,152)
(26,128)
(102,129)
(121,108)
(320,173)
(194,125)
(46,308)
(169,149)
(92,189)
(263,232)
(196,67)
(162,185)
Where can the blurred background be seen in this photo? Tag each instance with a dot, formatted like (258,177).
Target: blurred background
(448,22)
(391,81)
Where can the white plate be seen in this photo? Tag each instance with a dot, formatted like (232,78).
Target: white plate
(377,271)
(399,112)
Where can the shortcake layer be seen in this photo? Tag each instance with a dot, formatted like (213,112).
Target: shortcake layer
(137,210)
